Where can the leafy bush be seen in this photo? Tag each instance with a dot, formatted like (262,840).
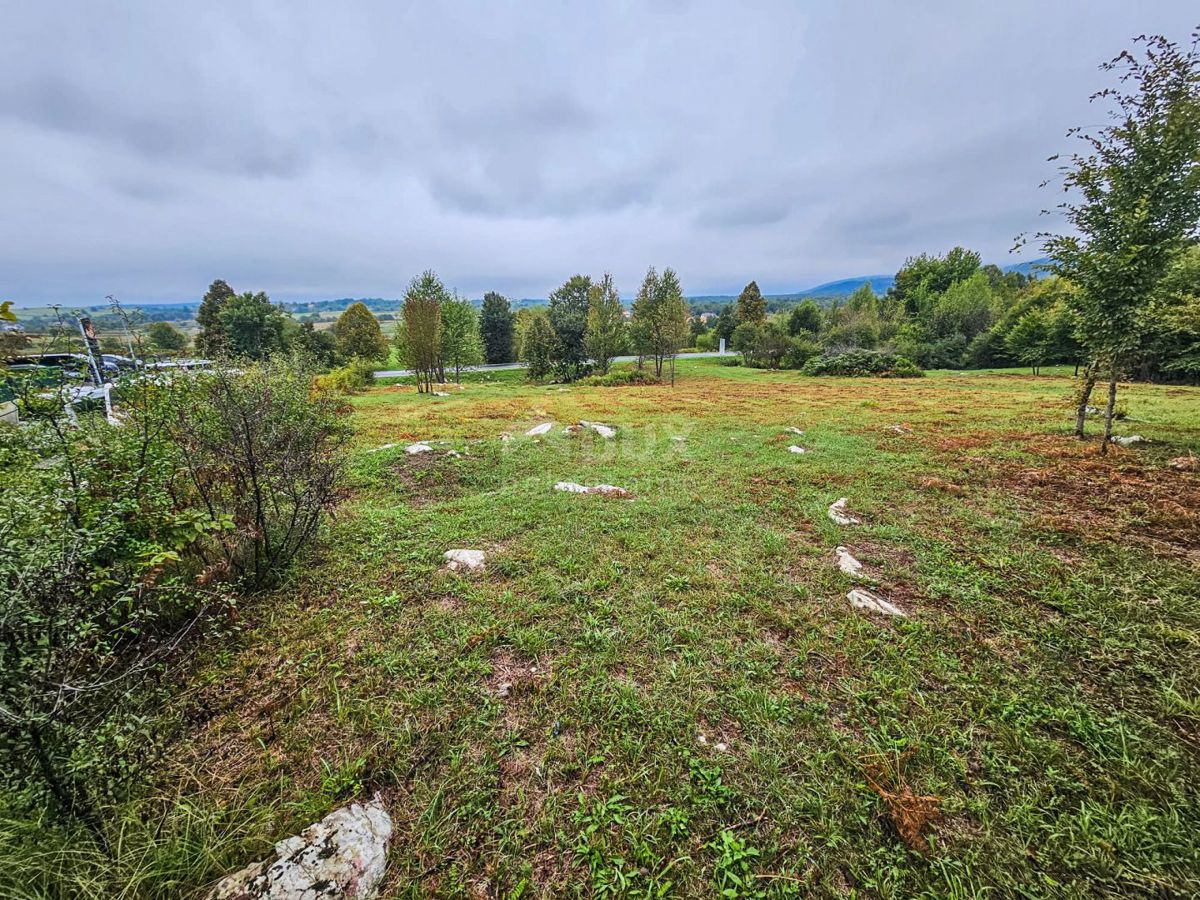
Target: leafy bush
(621,378)
(260,448)
(120,545)
(858,363)
(357,375)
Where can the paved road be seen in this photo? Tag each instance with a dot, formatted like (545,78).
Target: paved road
(401,373)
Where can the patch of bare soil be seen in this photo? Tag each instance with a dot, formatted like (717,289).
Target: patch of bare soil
(1113,497)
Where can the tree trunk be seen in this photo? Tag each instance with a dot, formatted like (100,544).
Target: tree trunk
(1108,410)
(1089,374)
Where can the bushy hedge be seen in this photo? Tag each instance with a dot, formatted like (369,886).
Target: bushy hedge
(621,378)
(862,363)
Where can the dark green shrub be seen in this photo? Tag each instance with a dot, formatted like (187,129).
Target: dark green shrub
(861,363)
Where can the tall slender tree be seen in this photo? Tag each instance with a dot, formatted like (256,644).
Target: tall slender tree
(460,344)
(751,308)
(660,319)
(605,323)
(211,340)
(568,317)
(1135,204)
(419,335)
(496,328)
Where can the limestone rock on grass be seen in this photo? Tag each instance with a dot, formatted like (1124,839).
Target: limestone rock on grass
(538,430)
(847,563)
(796,449)
(792,429)
(840,515)
(414,449)
(863,599)
(571,487)
(605,431)
(462,560)
(1128,440)
(604,490)
(342,856)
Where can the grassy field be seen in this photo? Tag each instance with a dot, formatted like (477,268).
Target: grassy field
(671,696)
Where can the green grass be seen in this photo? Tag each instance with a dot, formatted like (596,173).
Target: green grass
(1045,687)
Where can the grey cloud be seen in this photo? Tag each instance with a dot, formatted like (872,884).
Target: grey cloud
(323,151)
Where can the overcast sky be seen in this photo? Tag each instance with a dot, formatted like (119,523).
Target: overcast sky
(337,149)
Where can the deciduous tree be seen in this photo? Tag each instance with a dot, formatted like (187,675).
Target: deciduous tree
(605,323)
(1135,204)
(419,336)
(461,346)
(358,335)
(568,314)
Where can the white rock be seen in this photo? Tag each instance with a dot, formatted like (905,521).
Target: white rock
(383,447)
(838,513)
(460,560)
(453,454)
(504,690)
(792,429)
(795,449)
(722,746)
(605,431)
(441,394)
(414,449)
(899,429)
(1127,441)
(863,599)
(701,738)
(342,856)
(537,430)
(571,487)
(606,490)
(847,563)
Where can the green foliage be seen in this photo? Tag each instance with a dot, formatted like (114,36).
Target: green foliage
(725,324)
(460,343)
(568,316)
(924,276)
(122,544)
(1134,203)
(353,378)
(496,329)
(211,339)
(318,347)
(419,335)
(659,322)
(804,318)
(621,378)
(751,308)
(264,450)
(539,346)
(358,336)
(857,363)
(251,326)
(166,336)
(606,333)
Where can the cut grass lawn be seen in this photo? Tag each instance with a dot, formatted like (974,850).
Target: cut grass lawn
(690,704)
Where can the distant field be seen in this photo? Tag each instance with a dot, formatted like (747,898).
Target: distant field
(671,696)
